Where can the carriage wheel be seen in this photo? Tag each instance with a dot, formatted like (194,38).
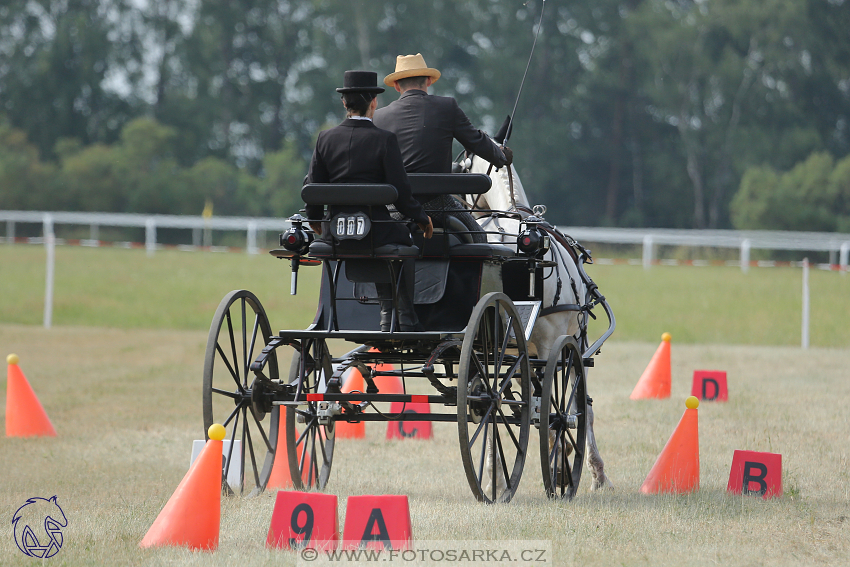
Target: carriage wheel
(563,419)
(309,445)
(239,330)
(493,399)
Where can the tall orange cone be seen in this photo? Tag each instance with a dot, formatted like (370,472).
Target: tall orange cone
(192,516)
(677,467)
(279,477)
(25,417)
(655,380)
(343,429)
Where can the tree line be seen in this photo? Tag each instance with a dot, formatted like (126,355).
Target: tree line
(667,113)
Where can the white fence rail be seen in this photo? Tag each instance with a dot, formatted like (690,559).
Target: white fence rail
(199,225)
(836,244)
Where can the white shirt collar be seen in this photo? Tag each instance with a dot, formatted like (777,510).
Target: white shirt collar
(359,118)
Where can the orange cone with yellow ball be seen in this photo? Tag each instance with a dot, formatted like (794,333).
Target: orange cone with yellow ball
(655,380)
(192,516)
(25,417)
(677,468)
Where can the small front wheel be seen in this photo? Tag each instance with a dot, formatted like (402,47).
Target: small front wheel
(309,444)
(563,419)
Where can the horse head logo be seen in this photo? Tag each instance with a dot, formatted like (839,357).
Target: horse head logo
(38,527)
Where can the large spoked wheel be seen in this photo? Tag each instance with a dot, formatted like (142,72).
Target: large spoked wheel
(493,415)
(239,330)
(309,444)
(563,419)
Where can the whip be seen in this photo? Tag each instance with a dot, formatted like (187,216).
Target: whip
(510,121)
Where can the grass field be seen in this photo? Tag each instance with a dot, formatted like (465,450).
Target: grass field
(118,288)
(127,405)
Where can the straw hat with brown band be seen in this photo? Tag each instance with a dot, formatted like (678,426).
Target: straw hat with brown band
(411,66)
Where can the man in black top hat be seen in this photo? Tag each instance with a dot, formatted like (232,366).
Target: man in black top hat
(357,151)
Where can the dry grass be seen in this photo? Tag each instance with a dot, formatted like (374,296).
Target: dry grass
(127,405)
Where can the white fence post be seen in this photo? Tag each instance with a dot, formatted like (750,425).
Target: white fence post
(252,238)
(150,236)
(805,331)
(745,255)
(10,232)
(50,248)
(647,251)
(843,257)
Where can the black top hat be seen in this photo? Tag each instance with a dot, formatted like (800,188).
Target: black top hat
(360,82)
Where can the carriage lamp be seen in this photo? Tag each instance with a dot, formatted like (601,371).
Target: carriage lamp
(296,239)
(533,243)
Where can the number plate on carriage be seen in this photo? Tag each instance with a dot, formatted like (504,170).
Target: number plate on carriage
(350,226)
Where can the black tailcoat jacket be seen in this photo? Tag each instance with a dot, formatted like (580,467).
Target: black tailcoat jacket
(357,151)
(426,125)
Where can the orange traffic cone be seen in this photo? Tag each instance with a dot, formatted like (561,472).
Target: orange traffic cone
(677,467)
(24,415)
(279,477)
(655,380)
(345,430)
(192,516)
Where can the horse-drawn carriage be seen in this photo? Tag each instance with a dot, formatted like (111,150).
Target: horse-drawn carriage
(481,304)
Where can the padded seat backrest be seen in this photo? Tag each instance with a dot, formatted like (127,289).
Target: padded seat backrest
(349,194)
(449,183)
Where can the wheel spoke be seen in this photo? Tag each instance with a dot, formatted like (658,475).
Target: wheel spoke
(244,431)
(483,422)
(251,451)
(230,449)
(510,373)
(235,412)
(508,428)
(230,368)
(502,459)
(262,433)
(303,434)
(244,344)
(254,339)
(233,348)
(504,349)
(232,395)
(480,475)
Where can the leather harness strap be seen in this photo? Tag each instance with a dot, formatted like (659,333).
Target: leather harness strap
(559,309)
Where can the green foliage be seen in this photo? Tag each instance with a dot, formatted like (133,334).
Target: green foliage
(814,195)
(643,112)
(24,180)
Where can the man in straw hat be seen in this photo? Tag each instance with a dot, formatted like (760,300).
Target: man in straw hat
(358,152)
(426,125)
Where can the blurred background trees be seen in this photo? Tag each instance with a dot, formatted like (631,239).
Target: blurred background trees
(730,113)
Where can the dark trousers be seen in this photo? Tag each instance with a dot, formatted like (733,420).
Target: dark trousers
(406,316)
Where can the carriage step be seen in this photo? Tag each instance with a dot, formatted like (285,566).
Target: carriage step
(587,362)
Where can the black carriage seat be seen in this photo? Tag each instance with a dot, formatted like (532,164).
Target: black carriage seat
(454,240)
(358,241)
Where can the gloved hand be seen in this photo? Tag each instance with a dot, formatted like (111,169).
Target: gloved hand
(509,155)
(428,229)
